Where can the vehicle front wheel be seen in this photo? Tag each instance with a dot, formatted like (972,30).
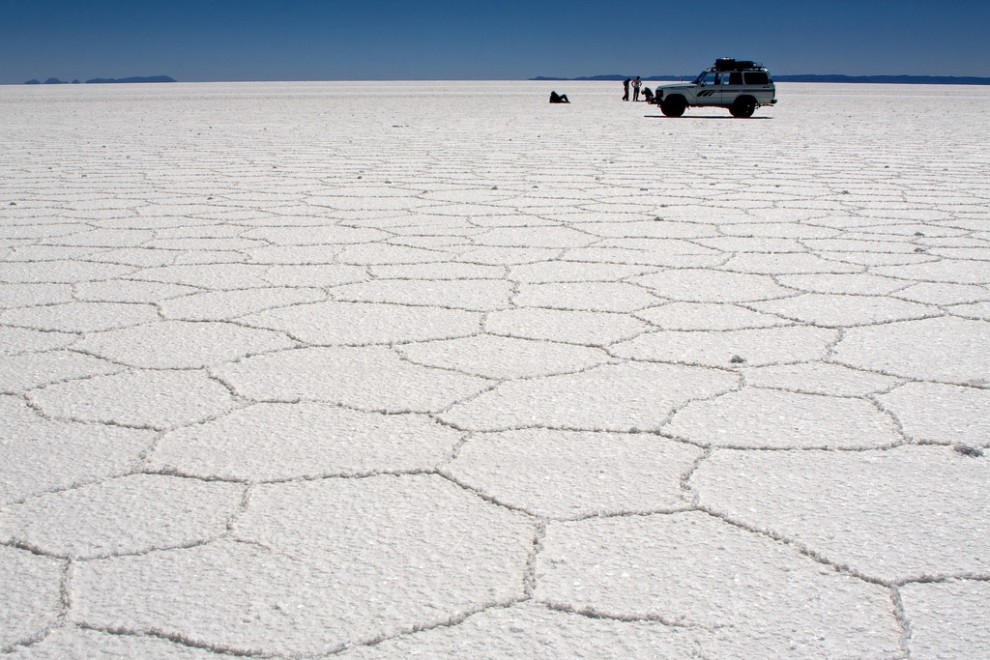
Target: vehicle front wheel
(673,106)
(743,107)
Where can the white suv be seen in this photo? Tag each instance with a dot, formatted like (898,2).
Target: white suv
(741,86)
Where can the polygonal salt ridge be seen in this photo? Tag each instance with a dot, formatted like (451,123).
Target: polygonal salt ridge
(140,257)
(585,296)
(819,378)
(74,642)
(62,272)
(707,316)
(905,526)
(723,349)
(293,255)
(634,255)
(947,619)
(652,228)
(128,515)
(228,305)
(318,275)
(842,310)
(316,235)
(946,349)
(703,285)
(596,329)
(19,373)
(864,284)
(182,344)
(365,323)
(311,440)
(42,455)
(379,254)
(788,229)
(537,631)
(15,341)
(107,238)
(491,356)
(571,475)
(736,244)
(33,602)
(742,594)
(144,399)
(374,379)
(573,271)
(467,294)
(772,419)
(950,414)
(507,256)
(206,244)
(547,236)
(445,271)
(79,316)
(975,311)
(787,263)
(952,271)
(345,544)
(614,397)
(131,291)
(211,277)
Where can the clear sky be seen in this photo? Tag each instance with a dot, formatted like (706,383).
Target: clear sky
(201,40)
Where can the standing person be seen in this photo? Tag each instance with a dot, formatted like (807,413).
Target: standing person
(625,88)
(636,85)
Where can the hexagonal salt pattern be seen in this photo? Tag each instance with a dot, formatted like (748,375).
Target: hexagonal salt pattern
(535,631)
(309,439)
(130,515)
(909,513)
(743,594)
(566,474)
(380,556)
(444,371)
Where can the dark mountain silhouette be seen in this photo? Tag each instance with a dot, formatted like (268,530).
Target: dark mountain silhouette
(134,79)
(810,78)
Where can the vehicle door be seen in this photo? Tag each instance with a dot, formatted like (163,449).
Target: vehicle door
(709,90)
(732,85)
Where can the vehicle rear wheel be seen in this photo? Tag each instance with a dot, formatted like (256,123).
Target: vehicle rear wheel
(673,106)
(743,107)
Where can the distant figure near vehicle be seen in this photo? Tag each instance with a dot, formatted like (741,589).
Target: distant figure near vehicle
(558,98)
(648,94)
(625,89)
(637,83)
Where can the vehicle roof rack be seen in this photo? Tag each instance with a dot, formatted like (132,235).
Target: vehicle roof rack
(731,64)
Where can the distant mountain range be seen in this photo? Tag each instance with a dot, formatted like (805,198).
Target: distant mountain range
(133,79)
(813,78)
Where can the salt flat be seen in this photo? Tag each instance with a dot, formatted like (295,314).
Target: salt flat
(375,370)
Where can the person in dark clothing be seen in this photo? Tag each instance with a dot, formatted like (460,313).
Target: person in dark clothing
(625,89)
(648,94)
(558,98)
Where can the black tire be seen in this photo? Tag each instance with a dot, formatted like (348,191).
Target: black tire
(743,107)
(673,106)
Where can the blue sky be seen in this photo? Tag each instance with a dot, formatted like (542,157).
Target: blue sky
(200,40)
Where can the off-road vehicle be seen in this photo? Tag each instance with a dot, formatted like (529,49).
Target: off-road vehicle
(739,85)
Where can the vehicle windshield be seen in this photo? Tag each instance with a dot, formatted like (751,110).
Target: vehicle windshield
(701,77)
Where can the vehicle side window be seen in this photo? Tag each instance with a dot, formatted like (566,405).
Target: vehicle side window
(735,78)
(757,78)
(711,78)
